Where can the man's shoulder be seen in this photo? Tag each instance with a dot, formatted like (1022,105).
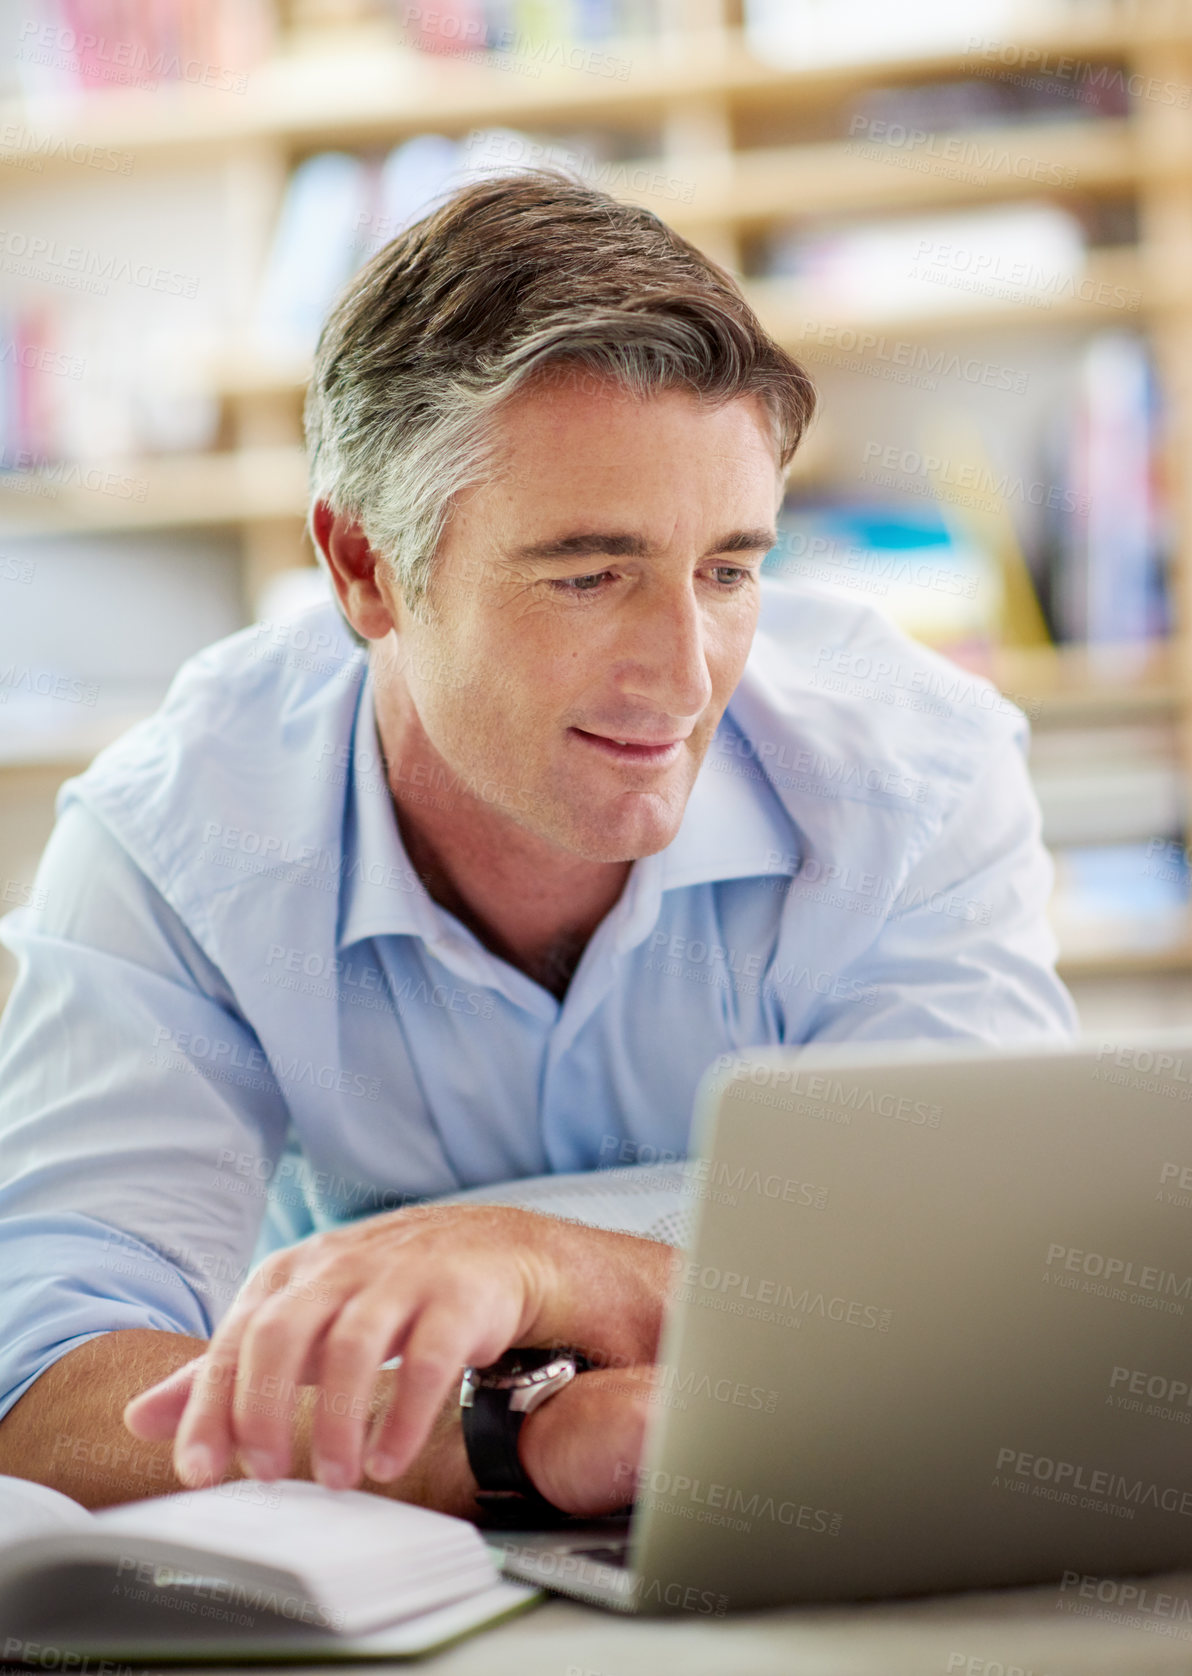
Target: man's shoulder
(849,667)
(239,740)
(837,699)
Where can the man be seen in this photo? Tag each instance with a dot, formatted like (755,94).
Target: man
(340,932)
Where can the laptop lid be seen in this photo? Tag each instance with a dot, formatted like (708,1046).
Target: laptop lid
(933,1328)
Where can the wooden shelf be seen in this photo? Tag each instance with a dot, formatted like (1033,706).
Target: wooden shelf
(1076,684)
(785,308)
(175,490)
(373,95)
(849,177)
(1131,963)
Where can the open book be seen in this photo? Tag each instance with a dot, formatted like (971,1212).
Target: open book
(246,1569)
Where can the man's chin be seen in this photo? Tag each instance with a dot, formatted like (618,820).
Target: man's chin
(624,840)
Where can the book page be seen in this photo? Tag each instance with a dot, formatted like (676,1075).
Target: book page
(364,1558)
(28,1509)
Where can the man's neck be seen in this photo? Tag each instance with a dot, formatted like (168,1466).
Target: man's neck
(529,903)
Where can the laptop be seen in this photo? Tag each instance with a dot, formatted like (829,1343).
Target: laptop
(932,1331)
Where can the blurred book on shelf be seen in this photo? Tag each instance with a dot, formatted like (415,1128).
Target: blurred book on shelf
(63,48)
(1109,582)
(80,383)
(1025,254)
(510,28)
(932,581)
(1109,784)
(1120,899)
(341,208)
(990,96)
(804,34)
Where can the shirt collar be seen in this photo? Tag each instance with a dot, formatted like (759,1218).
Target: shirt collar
(734,827)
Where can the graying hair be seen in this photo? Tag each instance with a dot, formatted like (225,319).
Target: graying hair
(525,275)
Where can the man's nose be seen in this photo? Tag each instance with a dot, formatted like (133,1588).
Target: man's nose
(664,658)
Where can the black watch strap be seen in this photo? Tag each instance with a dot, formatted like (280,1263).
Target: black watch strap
(490,1437)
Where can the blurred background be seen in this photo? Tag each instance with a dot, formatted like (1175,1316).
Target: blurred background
(973,222)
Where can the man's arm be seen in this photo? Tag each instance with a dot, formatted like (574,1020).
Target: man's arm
(580,1449)
(439,1286)
(112,1212)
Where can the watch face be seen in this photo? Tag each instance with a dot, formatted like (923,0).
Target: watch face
(526,1367)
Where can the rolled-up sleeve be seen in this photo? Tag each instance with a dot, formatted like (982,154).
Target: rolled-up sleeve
(967,950)
(127,1077)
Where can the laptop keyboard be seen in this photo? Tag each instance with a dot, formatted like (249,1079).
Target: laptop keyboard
(604,1556)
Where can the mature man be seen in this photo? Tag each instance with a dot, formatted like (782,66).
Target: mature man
(340,932)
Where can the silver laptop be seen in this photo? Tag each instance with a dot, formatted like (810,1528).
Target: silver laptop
(932,1331)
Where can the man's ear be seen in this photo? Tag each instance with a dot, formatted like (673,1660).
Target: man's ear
(353,568)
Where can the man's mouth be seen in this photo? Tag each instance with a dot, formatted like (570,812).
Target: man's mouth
(656,754)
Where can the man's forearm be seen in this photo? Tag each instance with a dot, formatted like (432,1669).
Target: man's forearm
(67,1430)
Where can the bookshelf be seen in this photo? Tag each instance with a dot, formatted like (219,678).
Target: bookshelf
(703,93)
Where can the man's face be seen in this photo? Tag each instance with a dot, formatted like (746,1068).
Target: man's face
(602,587)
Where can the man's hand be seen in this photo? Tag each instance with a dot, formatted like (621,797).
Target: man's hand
(441,1286)
(580,1449)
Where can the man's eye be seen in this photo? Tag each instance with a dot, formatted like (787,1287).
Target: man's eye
(730,575)
(581,584)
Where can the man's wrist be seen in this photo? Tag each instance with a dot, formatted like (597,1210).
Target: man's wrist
(611,1301)
(440,1476)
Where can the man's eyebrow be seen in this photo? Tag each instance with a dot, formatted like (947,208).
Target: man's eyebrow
(582,544)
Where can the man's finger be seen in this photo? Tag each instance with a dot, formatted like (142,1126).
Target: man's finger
(436,1351)
(279,1351)
(153,1414)
(206,1440)
(355,1344)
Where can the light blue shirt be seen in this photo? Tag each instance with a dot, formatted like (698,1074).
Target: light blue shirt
(239,1016)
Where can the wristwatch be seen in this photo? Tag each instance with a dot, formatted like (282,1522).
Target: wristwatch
(494,1402)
